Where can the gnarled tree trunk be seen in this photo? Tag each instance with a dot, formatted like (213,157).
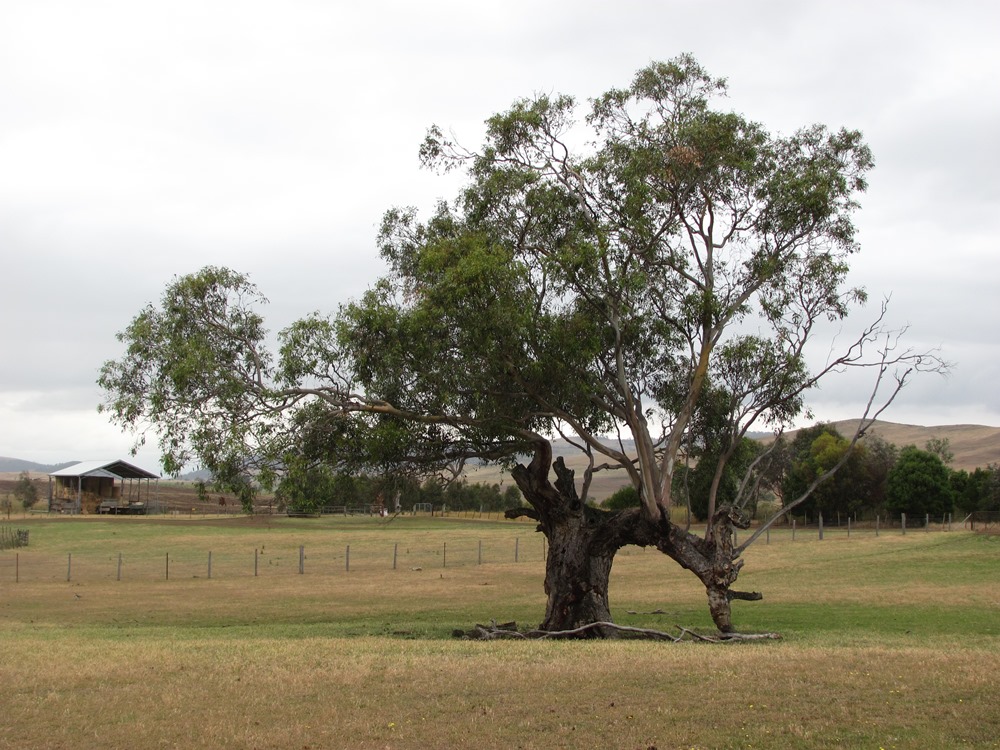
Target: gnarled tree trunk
(711,560)
(582,545)
(577,571)
(583,542)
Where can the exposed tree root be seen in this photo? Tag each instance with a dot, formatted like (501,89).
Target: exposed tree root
(508,630)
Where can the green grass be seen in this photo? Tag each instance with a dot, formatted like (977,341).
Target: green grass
(888,642)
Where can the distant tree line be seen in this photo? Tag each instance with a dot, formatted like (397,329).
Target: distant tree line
(876,478)
(309,489)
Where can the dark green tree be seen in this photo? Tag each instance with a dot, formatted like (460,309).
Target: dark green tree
(977,490)
(345,490)
(859,483)
(879,458)
(623,498)
(815,451)
(707,479)
(990,492)
(306,488)
(566,291)
(919,484)
(940,447)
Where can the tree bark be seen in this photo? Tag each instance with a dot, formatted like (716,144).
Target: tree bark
(710,559)
(582,545)
(577,572)
(583,542)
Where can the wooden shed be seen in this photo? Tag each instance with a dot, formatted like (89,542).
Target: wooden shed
(115,487)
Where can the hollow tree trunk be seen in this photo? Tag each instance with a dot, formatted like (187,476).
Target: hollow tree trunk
(582,545)
(583,542)
(577,571)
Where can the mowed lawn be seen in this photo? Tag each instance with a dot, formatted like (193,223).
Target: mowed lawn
(888,642)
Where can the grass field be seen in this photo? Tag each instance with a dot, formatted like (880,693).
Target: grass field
(889,642)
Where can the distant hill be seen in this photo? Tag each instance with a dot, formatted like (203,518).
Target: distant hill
(973,446)
(18,465)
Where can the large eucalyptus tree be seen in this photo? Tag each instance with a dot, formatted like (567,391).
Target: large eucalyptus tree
(664,275)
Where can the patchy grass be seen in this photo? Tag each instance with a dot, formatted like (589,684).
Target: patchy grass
(889,642)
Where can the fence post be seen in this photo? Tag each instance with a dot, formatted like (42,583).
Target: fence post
(119,577)
(878,517)
(255,551)
(210,564)
(517,545)
(167,568)
(17,567)
(903,518)
(793,529)
(848,527)
(949,522)
(69,565)
(767,535)
(395,553)
(479,560)
(927,523)
(820,515)
(444,555)
(347,559)
(302,559)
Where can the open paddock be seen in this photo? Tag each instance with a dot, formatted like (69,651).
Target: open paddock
(889,642)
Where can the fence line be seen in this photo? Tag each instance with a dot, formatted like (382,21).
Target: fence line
(286,559)
(351,559)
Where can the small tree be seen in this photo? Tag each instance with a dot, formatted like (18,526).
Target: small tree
(622,498)
(990,496)
(977,490)
(25,491)
(940,447)
(706,479)
(919,484)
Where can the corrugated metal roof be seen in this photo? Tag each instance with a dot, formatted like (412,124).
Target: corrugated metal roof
(121,469)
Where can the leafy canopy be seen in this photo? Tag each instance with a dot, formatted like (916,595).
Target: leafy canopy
(567,290)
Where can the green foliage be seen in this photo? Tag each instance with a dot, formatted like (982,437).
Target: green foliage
(589,288)
(856,485)
(623,498)
(919,484)
(733,470)
(990,492)
(311,488)
(195,368)
(940,447)
(305,488)
(978,490)
(25,491)
(462,495)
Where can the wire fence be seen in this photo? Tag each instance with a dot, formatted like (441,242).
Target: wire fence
(424,552)
(268,560)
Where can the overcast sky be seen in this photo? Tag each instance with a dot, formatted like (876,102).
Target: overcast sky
(144,140)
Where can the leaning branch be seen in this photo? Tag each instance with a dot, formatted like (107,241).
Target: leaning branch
(914,362)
